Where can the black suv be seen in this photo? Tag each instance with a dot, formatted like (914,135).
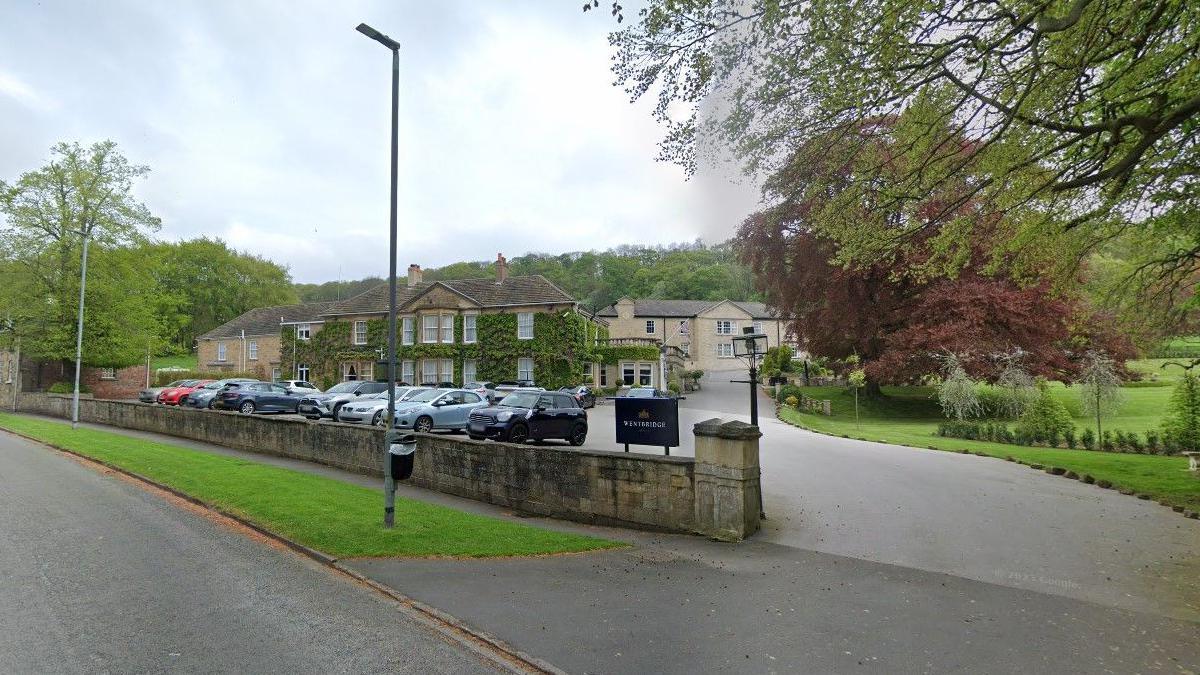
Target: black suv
(523,415)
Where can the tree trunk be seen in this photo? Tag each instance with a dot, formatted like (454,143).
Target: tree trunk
(872,390)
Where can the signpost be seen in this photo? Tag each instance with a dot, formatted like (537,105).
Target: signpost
(648,421)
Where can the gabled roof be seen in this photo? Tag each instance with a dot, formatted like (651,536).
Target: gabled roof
(687,308)
(525,290)
(266,320)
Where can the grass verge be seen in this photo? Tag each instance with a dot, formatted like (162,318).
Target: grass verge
(337,518)
(1165,479)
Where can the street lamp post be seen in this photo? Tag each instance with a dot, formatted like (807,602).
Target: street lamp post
(389,481)
(79,330)
(752,346)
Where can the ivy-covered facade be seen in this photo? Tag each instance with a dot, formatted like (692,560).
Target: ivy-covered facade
(469,330)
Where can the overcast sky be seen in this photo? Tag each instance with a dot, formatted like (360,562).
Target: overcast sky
(266,124)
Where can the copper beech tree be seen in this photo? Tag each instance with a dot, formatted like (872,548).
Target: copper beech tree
(894,314)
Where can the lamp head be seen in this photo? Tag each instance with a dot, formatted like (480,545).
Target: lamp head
(378,37)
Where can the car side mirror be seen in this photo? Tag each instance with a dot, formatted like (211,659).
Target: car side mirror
(358,393)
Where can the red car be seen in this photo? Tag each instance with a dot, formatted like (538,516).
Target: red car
(176,395)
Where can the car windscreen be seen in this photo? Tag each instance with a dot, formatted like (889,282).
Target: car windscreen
(215,385)
(521,400)
(343,388)
(426,396)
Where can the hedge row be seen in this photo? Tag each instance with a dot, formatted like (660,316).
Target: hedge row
(1150,443)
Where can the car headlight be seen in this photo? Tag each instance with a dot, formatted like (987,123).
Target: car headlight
(504,416)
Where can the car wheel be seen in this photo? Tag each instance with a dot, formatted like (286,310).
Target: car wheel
(377,420)
(519,433)
(247,408)
(578,435)
(424,424)
(210,404)
(337,411)
(182,401)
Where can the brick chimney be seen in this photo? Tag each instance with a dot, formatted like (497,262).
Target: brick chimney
(501,268)
(414,275)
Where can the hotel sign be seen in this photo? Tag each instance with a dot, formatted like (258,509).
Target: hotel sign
(648,421)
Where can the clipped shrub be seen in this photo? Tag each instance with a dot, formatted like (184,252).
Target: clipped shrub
(1120,442)
(1152,442)
(1133,442)
(68,388)
(1051,437)
(1106,442)
(1045,417)
(1088,439)
(790,391)
(1069,438)
(792,401)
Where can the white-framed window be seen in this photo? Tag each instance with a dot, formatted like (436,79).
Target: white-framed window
(303,331)
(445,370)
(448,330)
(525,369)
(302,372)
(758,326)
(252,348)
(603,375)
(683,327)
(724,327)
(686,348)
(360,332)
(220,351)
(406,330)
(525,326)
(276,374)
(108,373)
(350,372)
(725,350)
(645,374)
(406,372)
(429,328)
(651,327)
(429,368)
(589,373)
(469,371)
(628,373)
(368,371)
(470,333)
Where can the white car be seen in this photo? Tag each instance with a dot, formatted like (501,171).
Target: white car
(300,386)
(372,409)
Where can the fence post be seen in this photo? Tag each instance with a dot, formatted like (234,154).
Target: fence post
(727,479)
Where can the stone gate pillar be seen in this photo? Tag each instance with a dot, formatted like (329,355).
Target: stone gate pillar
(726,479)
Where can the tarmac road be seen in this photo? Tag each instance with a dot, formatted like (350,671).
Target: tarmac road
(99,575)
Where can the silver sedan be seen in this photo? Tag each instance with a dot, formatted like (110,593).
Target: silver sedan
(372,409)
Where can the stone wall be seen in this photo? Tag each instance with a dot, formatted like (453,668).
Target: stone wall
(645,491)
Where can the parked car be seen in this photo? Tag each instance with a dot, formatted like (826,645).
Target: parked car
(583,394)
(372,409)
(647,392)
(484,389)
(525,415)
(150,395)
(300,386)
(252,397)
(327,404)
(438,409)
(505,387)
(177,395)
(203,397)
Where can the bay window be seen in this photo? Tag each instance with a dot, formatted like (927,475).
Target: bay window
(429,328)
(448,329)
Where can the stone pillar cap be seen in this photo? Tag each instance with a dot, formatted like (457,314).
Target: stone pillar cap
(732,429)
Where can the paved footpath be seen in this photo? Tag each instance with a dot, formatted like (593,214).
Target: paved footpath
(99,575)
(683,604)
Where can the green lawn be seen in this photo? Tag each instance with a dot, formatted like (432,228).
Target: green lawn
(340,519)
(186,361)
(910,415)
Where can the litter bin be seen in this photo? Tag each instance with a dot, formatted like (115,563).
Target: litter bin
(401,450)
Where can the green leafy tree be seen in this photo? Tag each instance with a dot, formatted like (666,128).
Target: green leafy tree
(1046,419)
(1082,115)
(205,283)
(1182,425)
(857,380)
(1099,388)
(46,212)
